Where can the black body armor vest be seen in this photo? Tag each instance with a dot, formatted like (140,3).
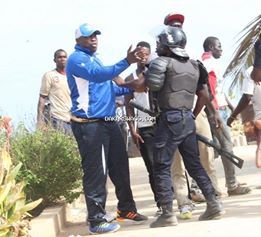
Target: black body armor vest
(180,85)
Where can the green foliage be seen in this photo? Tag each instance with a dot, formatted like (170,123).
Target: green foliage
(244,54)
(51,165)
(13,207)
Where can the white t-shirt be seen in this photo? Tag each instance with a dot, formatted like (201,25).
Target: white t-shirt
(250,88)
(248,83)
(212,65)
(55,86)
(143,119)
(256,100)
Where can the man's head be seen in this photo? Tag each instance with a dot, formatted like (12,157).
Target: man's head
(86,37)
(213,45)
(147,51)
(60,58)
(173,19)
(172,40)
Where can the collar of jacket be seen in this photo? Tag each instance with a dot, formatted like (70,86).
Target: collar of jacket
(78,47)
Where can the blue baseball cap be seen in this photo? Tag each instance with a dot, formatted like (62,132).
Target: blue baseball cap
(86,30)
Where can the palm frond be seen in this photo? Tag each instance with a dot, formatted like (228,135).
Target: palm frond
(244,54)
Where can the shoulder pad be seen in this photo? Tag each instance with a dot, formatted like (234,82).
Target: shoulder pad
(159,63)
(155,75)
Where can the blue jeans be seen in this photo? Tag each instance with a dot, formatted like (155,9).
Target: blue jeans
(176,129)
(224,113)
(103,152)
(61,125)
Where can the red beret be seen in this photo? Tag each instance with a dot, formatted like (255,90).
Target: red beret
(173,17)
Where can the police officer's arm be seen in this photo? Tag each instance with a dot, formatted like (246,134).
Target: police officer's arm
(134,81)
(202,90)
(137,84)
(202,94)
(155,75)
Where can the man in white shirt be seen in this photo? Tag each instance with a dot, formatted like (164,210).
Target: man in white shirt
(55,88)
(141,125)
(212,52)
(252,90)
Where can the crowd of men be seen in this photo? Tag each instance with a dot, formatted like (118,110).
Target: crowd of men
(184,96)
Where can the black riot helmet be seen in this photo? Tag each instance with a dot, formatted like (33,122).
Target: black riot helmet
(175,39)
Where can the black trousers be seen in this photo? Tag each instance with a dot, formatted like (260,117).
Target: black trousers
(146,150)
(103,152)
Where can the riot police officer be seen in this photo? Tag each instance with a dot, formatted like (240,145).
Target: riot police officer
(177,79)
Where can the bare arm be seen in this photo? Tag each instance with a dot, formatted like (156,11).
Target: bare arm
(256,75)
(134,81)
(231,107)
(40,110)
(242,104)
(201,101)
(131,116)
(212,114)
(129,112)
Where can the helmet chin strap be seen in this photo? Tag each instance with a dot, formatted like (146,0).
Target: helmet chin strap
(180,53)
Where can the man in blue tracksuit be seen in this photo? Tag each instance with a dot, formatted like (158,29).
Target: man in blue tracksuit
(99,138)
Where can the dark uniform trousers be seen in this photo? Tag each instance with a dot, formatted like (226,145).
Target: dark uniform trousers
(176,129)
(103,152)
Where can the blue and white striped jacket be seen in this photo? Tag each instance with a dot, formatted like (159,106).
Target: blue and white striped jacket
(92,90)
